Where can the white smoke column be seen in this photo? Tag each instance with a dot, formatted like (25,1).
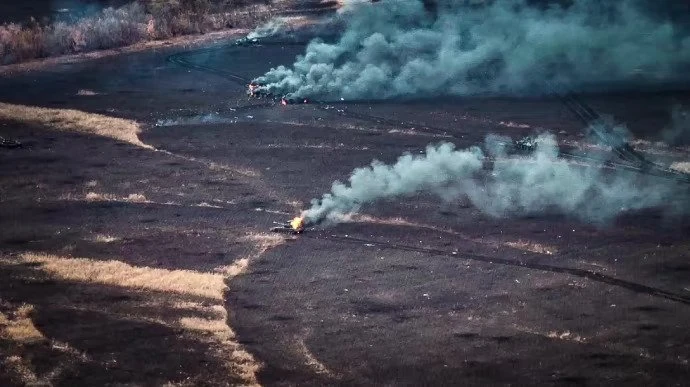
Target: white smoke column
(296,26)
(514,185)
(441,165)
(273,27)
(396,48)
(542,182)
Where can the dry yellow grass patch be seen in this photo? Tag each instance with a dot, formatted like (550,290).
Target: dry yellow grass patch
(261,242)
(264,241)
(311,360)
(136,198)
(69,120)
(555,335)
(247,172)
(236,268)
(18,366)
(213,166)
(118,273)
(215,326)
(567,336)
(86,93)
(104,197)
(101,238)
(16,330)
(397,221)
(19,327)
(192,302)
(532,247)
(97,197)
(209,326)
(206,205)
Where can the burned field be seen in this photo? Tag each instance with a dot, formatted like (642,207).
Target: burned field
(142,254)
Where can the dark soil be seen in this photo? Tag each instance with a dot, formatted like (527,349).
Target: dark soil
(448,298)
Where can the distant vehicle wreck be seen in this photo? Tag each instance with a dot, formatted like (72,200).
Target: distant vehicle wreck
(246,41)
(254,90)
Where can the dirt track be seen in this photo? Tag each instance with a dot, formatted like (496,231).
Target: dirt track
(413,293)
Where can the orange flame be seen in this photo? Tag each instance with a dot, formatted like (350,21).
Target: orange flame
(297,223)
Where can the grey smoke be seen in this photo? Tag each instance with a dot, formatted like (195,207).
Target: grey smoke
(500,184)
(274,27)
(678,131)
(396,48)
(297,28)
(606,131)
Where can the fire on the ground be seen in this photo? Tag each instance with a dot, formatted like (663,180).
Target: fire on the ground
(294,226)
(297,224)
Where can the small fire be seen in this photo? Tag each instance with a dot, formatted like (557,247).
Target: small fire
(253,90)
(297,224)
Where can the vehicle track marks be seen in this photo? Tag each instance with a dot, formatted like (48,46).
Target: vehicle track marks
(582,273)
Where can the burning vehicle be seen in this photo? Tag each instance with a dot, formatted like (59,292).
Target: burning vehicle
(254,90)
(296,225)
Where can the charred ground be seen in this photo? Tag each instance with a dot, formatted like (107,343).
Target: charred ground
(412,292)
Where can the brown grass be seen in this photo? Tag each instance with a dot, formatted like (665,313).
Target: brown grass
(101,197)
(532,247)
(261,243)
(241,171)
(118,273)
(554,335)
(101,238)
(180,41)
(136,22)
(86,93)
(21,370)
(311,360)
(69,120)
(188,300)
(19,327)
(171,310)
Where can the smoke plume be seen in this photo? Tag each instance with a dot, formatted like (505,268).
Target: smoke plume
(398,48)
(500,184)
(273,27)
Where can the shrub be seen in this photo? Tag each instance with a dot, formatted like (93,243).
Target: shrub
(117,27)
(20,43)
